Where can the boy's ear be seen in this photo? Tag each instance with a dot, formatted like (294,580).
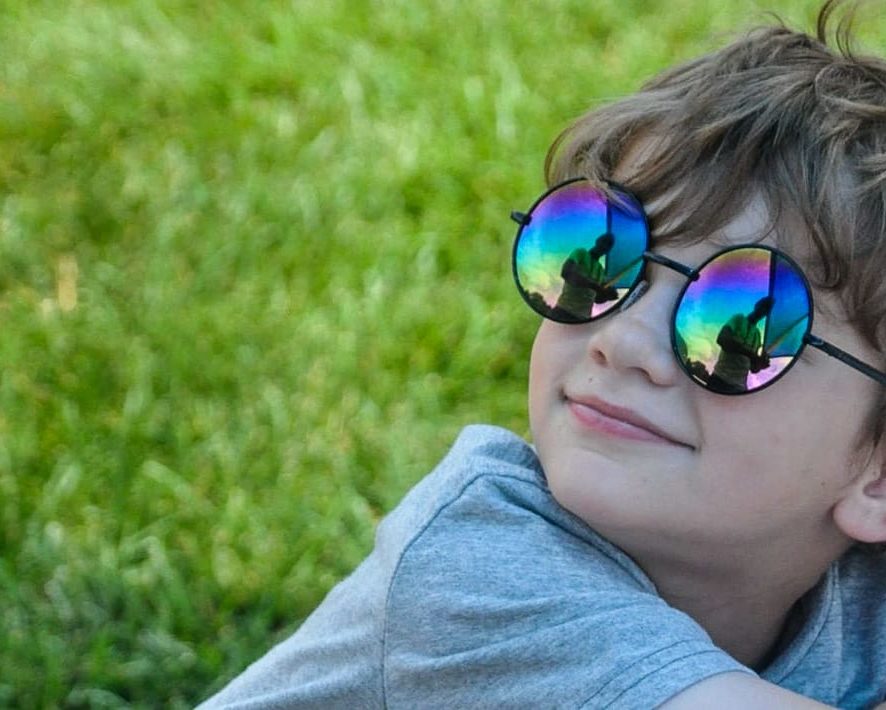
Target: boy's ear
(861,513)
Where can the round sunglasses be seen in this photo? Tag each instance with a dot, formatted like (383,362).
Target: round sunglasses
(740,322)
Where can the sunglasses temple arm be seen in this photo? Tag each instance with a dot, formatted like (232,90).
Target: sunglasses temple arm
(846,358)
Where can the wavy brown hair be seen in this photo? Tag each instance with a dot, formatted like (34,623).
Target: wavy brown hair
(778,113)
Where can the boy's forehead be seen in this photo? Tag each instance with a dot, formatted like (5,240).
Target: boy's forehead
(747,211)
(752,221)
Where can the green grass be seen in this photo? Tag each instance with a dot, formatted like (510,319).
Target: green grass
(254,278)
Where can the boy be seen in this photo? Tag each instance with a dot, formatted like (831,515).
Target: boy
(668,540)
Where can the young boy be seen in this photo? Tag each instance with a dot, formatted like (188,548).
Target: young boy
(669,539)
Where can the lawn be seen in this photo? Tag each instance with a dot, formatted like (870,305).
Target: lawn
(254,278)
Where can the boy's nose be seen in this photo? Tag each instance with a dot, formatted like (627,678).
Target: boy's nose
(638,338)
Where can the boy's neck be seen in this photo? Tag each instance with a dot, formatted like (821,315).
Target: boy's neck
(751,630)
(744,612)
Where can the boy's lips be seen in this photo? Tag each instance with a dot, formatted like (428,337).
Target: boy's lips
(618,421)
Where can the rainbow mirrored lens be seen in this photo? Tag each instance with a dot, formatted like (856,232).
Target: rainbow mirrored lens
(741,324)
(579,254)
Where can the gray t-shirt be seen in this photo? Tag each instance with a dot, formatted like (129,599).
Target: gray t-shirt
(483,592)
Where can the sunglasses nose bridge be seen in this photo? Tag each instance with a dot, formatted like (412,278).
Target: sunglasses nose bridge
(667,289)
(687,271)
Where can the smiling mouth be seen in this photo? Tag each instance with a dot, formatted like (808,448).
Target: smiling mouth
(618,422)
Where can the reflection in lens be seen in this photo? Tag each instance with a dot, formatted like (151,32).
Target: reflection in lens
(740,325)
(579,254)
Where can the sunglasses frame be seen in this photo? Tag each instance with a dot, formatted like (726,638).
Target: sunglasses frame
(691,274)
(523,219)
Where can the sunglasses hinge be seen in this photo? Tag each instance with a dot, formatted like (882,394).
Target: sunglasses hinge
(521,218)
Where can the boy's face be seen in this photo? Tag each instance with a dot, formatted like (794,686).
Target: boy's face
(663,467)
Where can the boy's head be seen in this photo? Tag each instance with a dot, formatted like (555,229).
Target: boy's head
(777,115)
(774,139)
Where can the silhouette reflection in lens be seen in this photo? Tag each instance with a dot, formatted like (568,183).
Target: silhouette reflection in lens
(584,280)
(741,350)
(696,368)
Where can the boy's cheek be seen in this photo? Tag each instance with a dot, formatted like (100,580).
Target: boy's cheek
(543,378)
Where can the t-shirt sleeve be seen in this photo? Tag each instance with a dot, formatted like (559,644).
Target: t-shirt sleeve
(506,600)
(332,661)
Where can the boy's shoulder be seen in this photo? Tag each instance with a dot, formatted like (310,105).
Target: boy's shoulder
(481,452)
(483,591)
(492,580)
(488,498)
(485,462)
(485,450)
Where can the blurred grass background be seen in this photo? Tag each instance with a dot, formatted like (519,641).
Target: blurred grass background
(254,278)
